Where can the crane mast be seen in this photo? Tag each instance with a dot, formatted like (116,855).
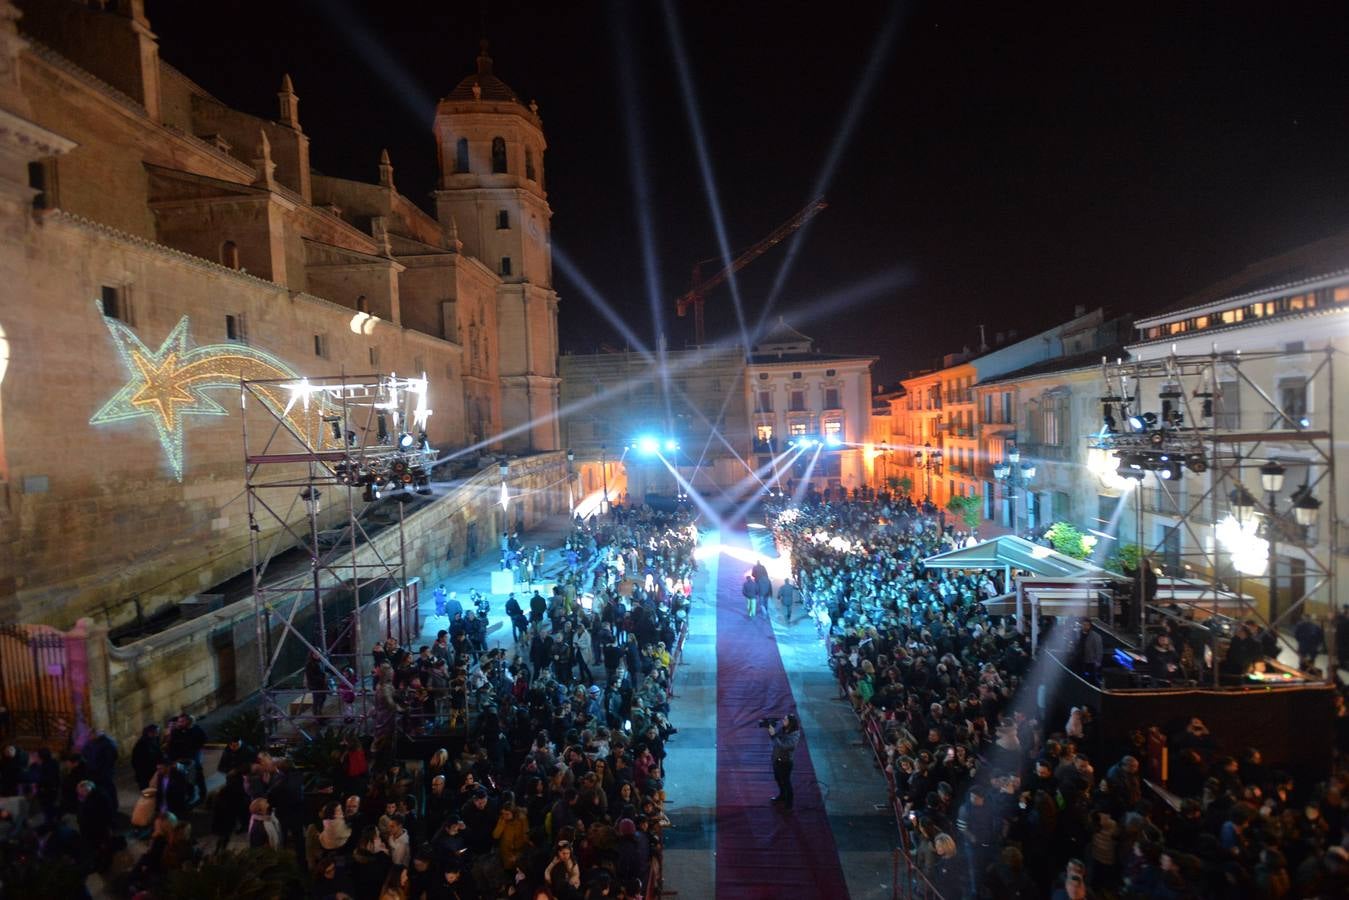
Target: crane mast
(696,296)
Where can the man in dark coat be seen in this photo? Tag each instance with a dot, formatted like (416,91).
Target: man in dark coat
(236,755)
(286,795)
(95,816)
(145,755)
(100,761)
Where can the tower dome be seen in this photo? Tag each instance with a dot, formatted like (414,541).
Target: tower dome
(482,84)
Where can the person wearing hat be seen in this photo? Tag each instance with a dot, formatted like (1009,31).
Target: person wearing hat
(785,734)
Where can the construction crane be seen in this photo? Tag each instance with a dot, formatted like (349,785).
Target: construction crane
(697,293)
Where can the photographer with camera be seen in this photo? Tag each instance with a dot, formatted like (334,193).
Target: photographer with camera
(785,733)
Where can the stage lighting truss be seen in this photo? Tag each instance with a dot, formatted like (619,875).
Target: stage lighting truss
(1168,417)
(352,440)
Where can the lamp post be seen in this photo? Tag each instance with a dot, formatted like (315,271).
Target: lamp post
(571,494)
(1304,509)
(604,474)
(929,460)
(1013,473)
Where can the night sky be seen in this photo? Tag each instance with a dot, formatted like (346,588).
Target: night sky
(1009,162)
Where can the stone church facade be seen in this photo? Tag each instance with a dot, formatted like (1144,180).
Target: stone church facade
(144,220)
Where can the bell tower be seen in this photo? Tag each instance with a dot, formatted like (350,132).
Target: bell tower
(491,147)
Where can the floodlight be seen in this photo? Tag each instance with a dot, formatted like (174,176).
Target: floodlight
(832,440)
(406,442)
(671,445)
(646,445)
(1136,423)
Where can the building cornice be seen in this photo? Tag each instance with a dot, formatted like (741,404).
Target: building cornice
(61,217)
(44,55)
(1330,279)
(31,139)
(1268,322)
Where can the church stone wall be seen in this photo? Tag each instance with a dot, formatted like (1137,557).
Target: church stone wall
(97,512)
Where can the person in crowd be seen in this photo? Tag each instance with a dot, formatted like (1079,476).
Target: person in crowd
(146,754)
(784,735)
(263,830)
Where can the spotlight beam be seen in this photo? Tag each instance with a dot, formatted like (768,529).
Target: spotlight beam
(689,96)
(641,184)
(746,506)
(419,103)
(880,52)
(694,494)
(805,479)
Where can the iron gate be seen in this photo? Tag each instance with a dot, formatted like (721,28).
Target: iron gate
(41,698)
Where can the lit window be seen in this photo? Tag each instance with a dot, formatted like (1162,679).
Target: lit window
(796,429)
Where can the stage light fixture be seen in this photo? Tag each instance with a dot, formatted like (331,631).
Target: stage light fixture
(671,445)
(1136,423)
(382,426)
(1131,466)
(832,440)
(1196,463)
(406,442)
(647,445)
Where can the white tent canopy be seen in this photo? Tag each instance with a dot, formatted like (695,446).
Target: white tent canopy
(1052,582)
(1010,552)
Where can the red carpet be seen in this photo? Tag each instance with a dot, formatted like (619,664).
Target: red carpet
(762,850)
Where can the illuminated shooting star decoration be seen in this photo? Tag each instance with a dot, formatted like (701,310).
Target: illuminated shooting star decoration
(169,384)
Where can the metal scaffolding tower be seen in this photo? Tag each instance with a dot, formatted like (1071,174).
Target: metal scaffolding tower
(347,441)
(1265,485)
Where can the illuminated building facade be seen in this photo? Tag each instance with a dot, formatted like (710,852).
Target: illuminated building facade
(158,245)
(794,391)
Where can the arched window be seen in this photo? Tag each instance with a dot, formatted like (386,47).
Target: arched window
(503,219)
(529,164)
(461,155)
(229,255)
(498,156)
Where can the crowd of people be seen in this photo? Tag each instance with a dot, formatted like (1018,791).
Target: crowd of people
(554,787)
(996,801)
